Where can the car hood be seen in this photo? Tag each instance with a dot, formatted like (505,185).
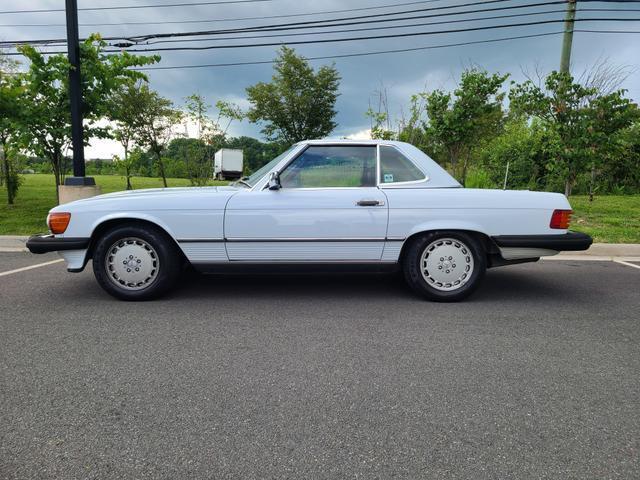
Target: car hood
(152,198)
(145,192)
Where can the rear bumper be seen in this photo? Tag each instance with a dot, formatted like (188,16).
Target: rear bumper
(570,241)
(50,243)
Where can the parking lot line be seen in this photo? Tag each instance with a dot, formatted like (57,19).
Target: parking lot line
(30,267)
(627,263)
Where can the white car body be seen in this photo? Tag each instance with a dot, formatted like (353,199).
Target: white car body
(214,226)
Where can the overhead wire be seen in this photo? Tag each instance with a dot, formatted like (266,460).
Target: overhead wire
(376,52)
(330,22)
(361,38)
(309,22)
(130,7)
(219,20)
(388,27)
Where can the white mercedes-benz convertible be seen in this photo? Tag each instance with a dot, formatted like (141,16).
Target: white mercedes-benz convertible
(320,204)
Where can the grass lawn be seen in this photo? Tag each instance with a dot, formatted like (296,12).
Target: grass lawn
(609,218)
(612,219)
(37,195)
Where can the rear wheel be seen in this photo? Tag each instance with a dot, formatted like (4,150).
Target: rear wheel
(136,262)
(444,266)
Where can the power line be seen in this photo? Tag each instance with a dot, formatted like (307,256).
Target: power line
(379,52)
(350,39)
(358,19)
(311,24)
(607,31)
(325,32)
(127,7)
(332,22)
(361,19)
(237,19)
(375,37)
(349,30)
(387,27)
(301,24)
(222,19)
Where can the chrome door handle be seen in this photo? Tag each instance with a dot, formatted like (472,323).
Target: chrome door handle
(369,203)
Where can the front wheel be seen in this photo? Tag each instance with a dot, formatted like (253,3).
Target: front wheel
(444,266)
(136,262)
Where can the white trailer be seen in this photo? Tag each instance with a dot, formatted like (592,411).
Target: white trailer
(227,164)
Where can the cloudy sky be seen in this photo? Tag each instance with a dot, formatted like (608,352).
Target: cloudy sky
(402,74)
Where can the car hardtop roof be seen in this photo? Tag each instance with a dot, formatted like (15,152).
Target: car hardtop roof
(436,176)
(334,141)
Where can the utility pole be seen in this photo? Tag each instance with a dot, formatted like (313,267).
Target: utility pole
(567,40)
(78,186)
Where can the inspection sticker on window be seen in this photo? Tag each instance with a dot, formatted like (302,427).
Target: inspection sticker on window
(388,177)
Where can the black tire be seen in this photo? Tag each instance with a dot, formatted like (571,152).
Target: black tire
(431,289)
(159,251)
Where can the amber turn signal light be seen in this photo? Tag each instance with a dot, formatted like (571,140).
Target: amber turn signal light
(560,219)
(58,222)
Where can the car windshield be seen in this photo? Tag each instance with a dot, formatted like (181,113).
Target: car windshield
(255,177)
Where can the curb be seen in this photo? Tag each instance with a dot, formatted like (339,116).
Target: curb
(13,243)
(629,252)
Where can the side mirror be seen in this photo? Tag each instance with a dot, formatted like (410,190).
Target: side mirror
(274,181)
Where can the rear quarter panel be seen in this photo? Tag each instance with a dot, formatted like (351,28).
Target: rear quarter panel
(492,212)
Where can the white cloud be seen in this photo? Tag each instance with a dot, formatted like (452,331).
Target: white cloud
(360,135)
(102,148)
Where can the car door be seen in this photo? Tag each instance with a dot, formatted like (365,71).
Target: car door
(328,208)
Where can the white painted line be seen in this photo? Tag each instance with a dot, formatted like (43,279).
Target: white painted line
(622,262)
(628,259)
(30,267)
(579,258)
(590,258)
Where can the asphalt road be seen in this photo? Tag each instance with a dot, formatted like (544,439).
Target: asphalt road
(536,376)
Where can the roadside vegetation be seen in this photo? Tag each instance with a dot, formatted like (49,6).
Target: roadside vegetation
(607,218)
(555,133)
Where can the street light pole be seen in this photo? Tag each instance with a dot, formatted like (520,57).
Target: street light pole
(75,98)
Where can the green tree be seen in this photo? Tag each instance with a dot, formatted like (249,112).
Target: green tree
(124,112)
(255,153)
(380,126)
(210,135)
(127,166)
(584,122)
(123,165)
(379,118)
(47,119)
(11,90)
(517,157)
(156,119)
(621,173)
(456,123)
(195,156)
(298,104)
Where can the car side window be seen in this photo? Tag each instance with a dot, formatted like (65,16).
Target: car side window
(395,167)
(332,166)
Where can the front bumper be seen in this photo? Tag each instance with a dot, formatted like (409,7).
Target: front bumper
(50,243)
(570,241)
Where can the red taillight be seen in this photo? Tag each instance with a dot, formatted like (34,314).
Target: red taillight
(58,222)
(560,219)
